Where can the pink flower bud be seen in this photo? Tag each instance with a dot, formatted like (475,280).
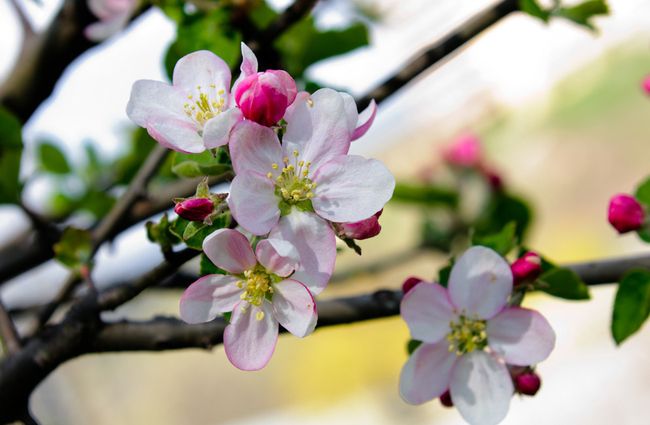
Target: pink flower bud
(194,209)
(410,283)
(264,96)
(445,399)
(363,229)
(645,84)
(625,213)
(464,152)
(528,383)
(528,267)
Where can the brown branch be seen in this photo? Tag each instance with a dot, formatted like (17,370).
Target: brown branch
(8,332)
(440,50)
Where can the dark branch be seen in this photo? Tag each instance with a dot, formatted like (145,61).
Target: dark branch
(294,13)
(8,333)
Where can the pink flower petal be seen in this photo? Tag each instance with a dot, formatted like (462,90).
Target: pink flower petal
(427,312)
(101,30)
(249,61)
(480,282)
(154,99)
(427,373)
(317,128)
(481,388)
(351,112)
(217,130)
(352,188)
(277,256)
(202,69)
(209,296)
(254,148)
(314,239)
(177,134)
(521,336)
(253,203)
(294,307)
(230,250)
(366,118)
(250,340)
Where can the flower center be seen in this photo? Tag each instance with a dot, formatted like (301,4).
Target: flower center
(204,105)
(257,285)
(293,185)
(467,334)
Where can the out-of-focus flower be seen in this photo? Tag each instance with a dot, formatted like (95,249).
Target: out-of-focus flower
(625,213)
(260,291)
(194,209)
(457,326)
(264,96)
(528,383)
(113,16)
(645,84)
(363,229)
(464,152)
(526,268)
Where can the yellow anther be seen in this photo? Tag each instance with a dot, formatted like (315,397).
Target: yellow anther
(214,86)
(309,195)
(189,96)
(274,166)
(285,160)
(296,153)
(221,92)
(259,315)
(305,173)
(310,102)
(301,163)
(269,175)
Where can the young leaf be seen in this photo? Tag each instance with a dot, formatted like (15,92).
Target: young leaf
(11,148)
(642,193)
(197,165)
(534,9)
(196,234)
(424,194)
(583,13)
(412,345)
(160,233)
(631,305)
(74,248)
(563,283)
(51,159)
(208,267)
(502,242)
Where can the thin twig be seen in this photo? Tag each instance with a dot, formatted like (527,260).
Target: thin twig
(291,15)
(8,331)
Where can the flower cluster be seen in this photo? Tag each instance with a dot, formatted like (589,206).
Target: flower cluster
(295,190)
(472,339)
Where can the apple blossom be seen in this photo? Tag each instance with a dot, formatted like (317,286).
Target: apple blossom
(469,334)
(526,268)
(260,291)
(625,213)
(196,112)
(194,209)
(645,84)
(464,152)
(113,16)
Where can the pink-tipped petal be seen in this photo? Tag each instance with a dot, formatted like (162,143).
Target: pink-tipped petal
(427,373)
(294,307)
(154,99)
(480,282)
(254,148)
(352,188)
(175,133)
(351,112)
(278,256)
(314,239)
(208,297)
(250,338)
(481,388)
(248,62)
(427,312)
(366,118)
(202,69)
(253,203)
(521,336)
(230,250)
(217,131)
(317,128)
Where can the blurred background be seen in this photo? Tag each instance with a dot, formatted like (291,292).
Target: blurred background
(562,117)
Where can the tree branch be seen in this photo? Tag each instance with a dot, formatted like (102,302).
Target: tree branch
(8,331)
(292,14)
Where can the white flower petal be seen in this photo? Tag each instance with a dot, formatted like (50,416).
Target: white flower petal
(427,312)
(202,69)
(427,373)
(481,388)
(253,203)
(352,188)
(521,336)
(209,296)
(250,338)
(230,250)
(366,118)
(177,134)
(278,256)
(294,307)
(154,100)
(480,282)
(217,130)
(254,148)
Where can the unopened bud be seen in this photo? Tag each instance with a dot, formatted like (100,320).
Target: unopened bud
(363,229)
(528,383)
(526,268)
(410,283)
(464,152)
(264,97)
(445,399)
(625,213)
(194,209)
(645,84)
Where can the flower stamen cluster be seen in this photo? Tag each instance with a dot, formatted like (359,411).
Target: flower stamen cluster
(205,107)
(467,334)
(293,184)
(257,286)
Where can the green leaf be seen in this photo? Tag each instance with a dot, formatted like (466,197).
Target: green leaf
(424,194)
(502,242)
(74,248)
(208,267)
(631,305)
(534,9)
(443,274)
(161,234)
(412,345)
(52,159)
(502,210)
(195,236)
(642,193)
(563,283)
(303,44)
(583,13)
(11,148)
(197,165)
